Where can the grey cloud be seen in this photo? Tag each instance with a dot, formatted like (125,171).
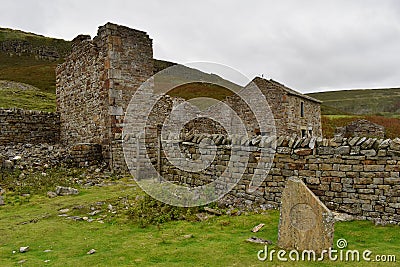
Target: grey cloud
(309,45)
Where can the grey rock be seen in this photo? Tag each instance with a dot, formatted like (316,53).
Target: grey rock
(258,240)
(51,194)
(66,191)
(24,249)
(92,251)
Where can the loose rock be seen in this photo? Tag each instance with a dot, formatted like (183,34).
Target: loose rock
(258,240)
(24,249)
(66,191)
(92,251)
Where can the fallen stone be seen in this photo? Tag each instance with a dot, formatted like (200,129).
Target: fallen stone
(75,218)
(188,236)
(343,217)
(258,240)
(257,228)
(213,211)
(46,261)
(2,203)
(202,216)
(8,164)
(24,249)
(17,158)
(51,194)
(21,261)
(47,250)
(92,251)
(66,191)
(94,212)
(63,210)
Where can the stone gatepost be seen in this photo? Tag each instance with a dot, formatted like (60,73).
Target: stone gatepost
(305,222)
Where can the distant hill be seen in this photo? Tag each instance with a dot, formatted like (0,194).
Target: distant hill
(30,58)
(384,102)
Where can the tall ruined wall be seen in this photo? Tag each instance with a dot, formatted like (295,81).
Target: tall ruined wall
(96,83)
(358,176)
(129,63)
(19,126)
(81,94)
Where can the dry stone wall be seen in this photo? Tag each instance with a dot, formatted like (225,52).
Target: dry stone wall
(19,126)
(358,176)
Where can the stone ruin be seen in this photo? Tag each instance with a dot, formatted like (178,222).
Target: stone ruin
(356,175)
(360,128)
(100,75)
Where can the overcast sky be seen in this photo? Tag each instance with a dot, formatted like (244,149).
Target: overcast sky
(308,45)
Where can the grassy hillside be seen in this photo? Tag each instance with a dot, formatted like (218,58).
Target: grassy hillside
(27,99)
(35,40)
(385,102)
(27,68)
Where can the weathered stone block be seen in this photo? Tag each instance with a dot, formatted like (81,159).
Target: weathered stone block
(305,222)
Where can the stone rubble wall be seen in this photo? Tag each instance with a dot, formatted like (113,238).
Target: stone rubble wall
(361,128)
(22,47)
(43,156)
(19,126)
(358,176)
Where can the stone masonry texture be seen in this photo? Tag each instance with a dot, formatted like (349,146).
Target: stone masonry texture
(358,176)
(19,126)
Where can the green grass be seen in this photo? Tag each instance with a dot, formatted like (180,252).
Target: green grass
(385,102)
(27,99)
(219,241)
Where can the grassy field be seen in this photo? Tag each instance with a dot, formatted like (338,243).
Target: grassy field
(27,99)
(118,241)
(385,102)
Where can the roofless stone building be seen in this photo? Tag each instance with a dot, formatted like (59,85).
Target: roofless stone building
(99,77)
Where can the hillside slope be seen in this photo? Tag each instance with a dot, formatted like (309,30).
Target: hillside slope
(385,102)
(30,58)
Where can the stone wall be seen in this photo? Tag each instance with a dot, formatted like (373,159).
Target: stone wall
(358,176)
(19,126)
